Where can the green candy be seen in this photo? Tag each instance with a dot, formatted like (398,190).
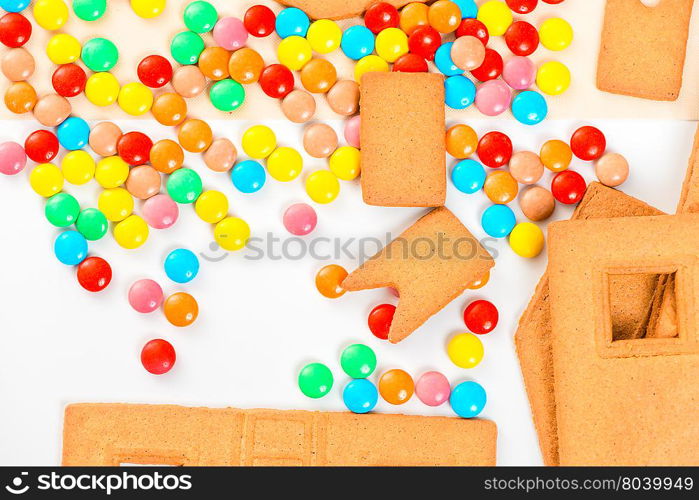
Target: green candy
(62,209)
(99,54)
(200,17)
(358,361)
(89,10)
(92,224)
(184,185)
(315,380)
(227,95)
(186,47)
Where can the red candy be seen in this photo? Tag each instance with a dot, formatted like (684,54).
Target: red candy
(568,187)
(410,63)
(588,143)
(69,80)
(380,16)
(134,148)
(491,67)
(494,149)
(41,146)
(154,71)
(522,38)
(481,316)
(424,41)
(276,80)
(259,20)
(553,2)
(380,319)
(15,30)
(473,27)
(94,274)
(522,6)
(158,356)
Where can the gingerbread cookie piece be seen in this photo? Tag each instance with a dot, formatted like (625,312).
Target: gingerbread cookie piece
(430,264)
(338,9)
(637,41)
(403,139)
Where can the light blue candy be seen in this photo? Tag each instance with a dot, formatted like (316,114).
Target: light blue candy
(357,42)
(498,221)
(292,21)
(360,396)
(468,399)
(248,176)
(70,248)
(529,107)
(468,176)
(459,92)
(14,5)
(443,61)
(468,8)
(181,265)
(73,133)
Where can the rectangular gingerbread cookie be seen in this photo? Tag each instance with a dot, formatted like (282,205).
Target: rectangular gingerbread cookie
(403,155)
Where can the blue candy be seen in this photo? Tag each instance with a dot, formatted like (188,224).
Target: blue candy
(529,107)
(468,176)
(498,221)
(73,133)
(14,5)
(292,21)
(181,265)
(468,399)
(357,42)
(360,396)
(468,8)
(248,176)
(459,92)
(443,61)
(70,248)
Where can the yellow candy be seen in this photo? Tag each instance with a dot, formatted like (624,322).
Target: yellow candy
(465,350)
(211,206)
(102,89)
(46,180)
(111,172)
(116,204)
(553,78)
(391,43)
(344,163)
(367,64)
(63,49)
(259,141)
(285,164)
(496,16)
(324,36)
(232,233)
(294,52)
(555,33)
(527,240)
(322,186)
(135,98)
(78,167)
(131,233)
(50,14)
(148,9)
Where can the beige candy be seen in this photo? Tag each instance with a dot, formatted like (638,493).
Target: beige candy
(188,81)
(537,203)
(320,140)
(343,97)
(18,64)
(143,182)
(526,167)
(104,137)
(299,106)
(612,169)
(468,53)
(221,155)
(52,109)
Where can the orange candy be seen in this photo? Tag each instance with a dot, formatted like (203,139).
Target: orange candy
(245,66)
(556,155)
(166,156)
(462,141)
(396,386)
(413,16)
(195,136)
(20,97)
(329,280)
(169,109)
(444,16)
(213,62)
(481,282)
(181,309)
(500,187)
(318,76)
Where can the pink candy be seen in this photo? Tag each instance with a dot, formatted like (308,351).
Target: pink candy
(230,33)
(519,73)
(12,158)
(493,97)
(432,388)
(160,211)
(352,131)
(145,296)
(300,219)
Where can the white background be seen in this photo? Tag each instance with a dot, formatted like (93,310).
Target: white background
(261,321)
